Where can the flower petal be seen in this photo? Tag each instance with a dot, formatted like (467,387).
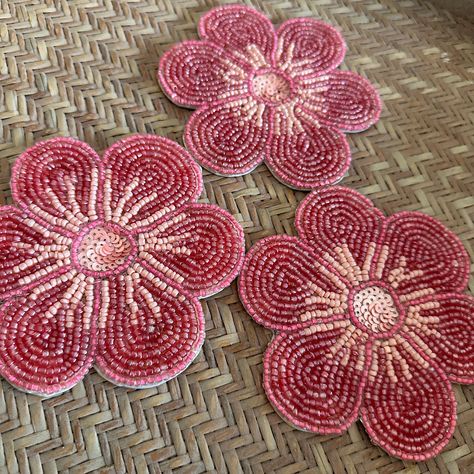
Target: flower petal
(409,407)
(194,73)
(47,339)
(421,254)
(57,181)
(343,225)
(312,387)
(443,326)
(284,286)
(309,47)
(309,157)
(149,329)
(236,27)
(342,100)
(200,246)
(147,177)
(29,254)
(225,140)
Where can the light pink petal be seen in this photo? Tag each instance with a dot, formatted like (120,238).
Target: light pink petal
(225,140)
(422,255)
(341,223)
(200,246)
(443,326)
(146,177)
(308,157)
(342,100)
(29,254)
(312,386)
(149,329)
(236,27)
(409,407)
(308,47)
(194,73)
(57,181)
(284,286)
(47,342)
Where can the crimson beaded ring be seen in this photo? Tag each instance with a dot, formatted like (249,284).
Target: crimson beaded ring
(371,318)
(103,261)
(268,95)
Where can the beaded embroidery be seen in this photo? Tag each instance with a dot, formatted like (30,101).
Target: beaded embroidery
(371,322)
(103,261)
(268,95)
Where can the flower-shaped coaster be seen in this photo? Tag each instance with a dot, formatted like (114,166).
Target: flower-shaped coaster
(372,322)
(268,95)
(103,261)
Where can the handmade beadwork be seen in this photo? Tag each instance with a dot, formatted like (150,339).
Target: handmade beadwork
(103,261)
(268,95)
(371,322)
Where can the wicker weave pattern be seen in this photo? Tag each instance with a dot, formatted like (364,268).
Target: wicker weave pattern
(87,69)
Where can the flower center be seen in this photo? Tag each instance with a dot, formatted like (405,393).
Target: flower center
(271,87)
(375,309)
(103,249)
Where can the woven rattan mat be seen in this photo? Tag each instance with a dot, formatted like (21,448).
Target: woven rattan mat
(87,69)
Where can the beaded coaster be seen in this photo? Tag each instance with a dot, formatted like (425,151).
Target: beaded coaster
(103,261)
(268,95)
(371,322)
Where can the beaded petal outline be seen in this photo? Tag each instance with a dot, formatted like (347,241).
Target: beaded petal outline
(103,261)
(268,95)
(370,318)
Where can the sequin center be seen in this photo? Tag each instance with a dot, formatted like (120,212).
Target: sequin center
(375,310)
(270,87)
(103,248)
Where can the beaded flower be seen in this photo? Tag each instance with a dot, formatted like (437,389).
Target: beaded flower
(268,95)
(372,322)
(103,261)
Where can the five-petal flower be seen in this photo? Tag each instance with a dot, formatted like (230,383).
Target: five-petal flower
(268,95)
(103,261)
(372,321)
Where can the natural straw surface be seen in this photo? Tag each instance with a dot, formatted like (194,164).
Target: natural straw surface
(87,68)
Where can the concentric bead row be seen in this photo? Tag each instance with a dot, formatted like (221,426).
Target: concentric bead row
(47,343)
(419,242)
(57,180)
(412,416)
(314,157)
(199,246)
(277,284)
(144,178)
(308,385)
(224,142)
(341,100)
(237,27)
(309,46)
(192,74)
(444,329)
(158,342)
(337,216)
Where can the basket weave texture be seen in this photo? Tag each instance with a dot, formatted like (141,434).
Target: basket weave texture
(87,69)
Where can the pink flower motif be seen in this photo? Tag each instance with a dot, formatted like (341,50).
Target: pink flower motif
(372,322)
(268,95)
(103,261)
